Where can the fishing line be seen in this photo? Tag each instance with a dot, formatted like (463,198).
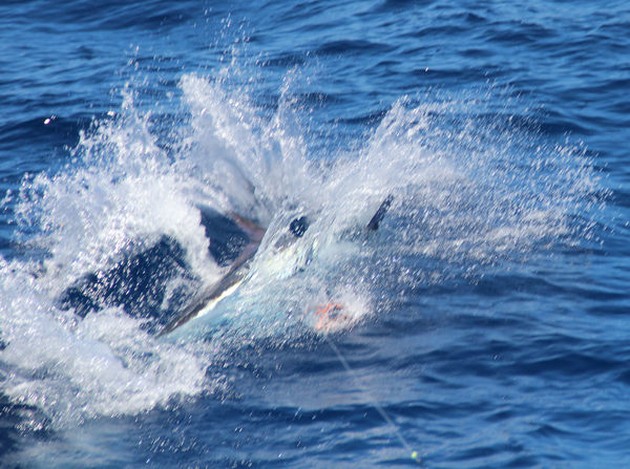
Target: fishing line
(372,225)
(395,429)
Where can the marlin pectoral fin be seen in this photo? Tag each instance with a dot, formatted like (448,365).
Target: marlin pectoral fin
(380,213)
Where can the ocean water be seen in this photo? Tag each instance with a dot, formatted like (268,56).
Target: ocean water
(486,320)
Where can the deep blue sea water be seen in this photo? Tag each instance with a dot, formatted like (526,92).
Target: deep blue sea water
(490,311)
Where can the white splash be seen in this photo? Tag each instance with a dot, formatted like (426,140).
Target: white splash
(465,192)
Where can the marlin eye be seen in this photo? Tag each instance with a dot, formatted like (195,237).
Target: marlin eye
(299,226)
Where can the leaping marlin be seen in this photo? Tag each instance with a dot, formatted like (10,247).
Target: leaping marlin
(240,267)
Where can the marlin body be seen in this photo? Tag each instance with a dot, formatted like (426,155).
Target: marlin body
(287,258)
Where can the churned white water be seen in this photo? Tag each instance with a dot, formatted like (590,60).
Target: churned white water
(467,193)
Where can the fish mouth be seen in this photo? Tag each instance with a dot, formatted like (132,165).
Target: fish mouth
(279,255)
